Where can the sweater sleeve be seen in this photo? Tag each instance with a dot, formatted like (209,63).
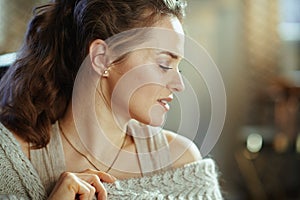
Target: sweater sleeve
(10,182)
(17,176)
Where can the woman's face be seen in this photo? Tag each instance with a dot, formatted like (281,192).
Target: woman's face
(141,86)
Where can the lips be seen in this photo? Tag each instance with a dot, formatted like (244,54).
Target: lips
(164,102)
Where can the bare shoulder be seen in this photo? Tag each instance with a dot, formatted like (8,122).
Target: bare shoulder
(183,150)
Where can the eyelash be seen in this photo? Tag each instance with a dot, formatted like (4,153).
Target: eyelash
(168,68)
(165,68)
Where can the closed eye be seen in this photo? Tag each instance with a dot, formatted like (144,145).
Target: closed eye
(164,67)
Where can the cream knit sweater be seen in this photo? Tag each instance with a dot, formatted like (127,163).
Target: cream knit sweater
(19,179)
(194,181)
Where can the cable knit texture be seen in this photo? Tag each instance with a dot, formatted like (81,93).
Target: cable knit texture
(197,180)
(19,179)
(17,175)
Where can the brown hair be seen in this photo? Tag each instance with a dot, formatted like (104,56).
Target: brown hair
(37,88)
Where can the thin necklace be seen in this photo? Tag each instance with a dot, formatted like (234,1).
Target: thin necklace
(85,156)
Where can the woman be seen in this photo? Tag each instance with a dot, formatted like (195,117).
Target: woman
(72,116)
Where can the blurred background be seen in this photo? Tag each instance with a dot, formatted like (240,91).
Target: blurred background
(256,46)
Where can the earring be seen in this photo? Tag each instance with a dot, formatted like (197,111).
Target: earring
(105,73)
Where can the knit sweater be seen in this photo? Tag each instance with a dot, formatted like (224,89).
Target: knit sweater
(197,180)
(17,175)
(19,179)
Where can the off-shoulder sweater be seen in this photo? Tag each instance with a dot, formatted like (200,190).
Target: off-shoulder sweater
(20,180)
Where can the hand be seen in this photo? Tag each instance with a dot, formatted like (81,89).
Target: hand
(83,185)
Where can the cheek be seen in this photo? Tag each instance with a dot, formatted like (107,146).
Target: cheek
(145,96)
(143,102)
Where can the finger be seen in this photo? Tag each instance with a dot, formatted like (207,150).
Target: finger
(102,193)
(105,177)
(94,180)
(89,191)
(78,186)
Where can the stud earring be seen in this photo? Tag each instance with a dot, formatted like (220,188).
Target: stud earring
(105,73)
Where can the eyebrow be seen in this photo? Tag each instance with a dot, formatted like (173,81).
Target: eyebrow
(174,56)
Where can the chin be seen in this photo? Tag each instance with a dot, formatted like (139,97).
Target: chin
(156,121)
(156,116)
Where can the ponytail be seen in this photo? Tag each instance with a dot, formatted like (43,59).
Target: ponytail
(38,86)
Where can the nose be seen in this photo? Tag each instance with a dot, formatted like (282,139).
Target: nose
(175,83)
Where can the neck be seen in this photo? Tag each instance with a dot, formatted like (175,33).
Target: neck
(114,129)
(93,131)
(93,142)
(89,116)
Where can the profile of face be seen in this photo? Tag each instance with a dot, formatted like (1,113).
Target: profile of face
(141,87)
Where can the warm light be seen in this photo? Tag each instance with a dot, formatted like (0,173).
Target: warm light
(281,142)
(254,142)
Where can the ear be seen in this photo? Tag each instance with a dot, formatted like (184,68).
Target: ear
(98,55)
